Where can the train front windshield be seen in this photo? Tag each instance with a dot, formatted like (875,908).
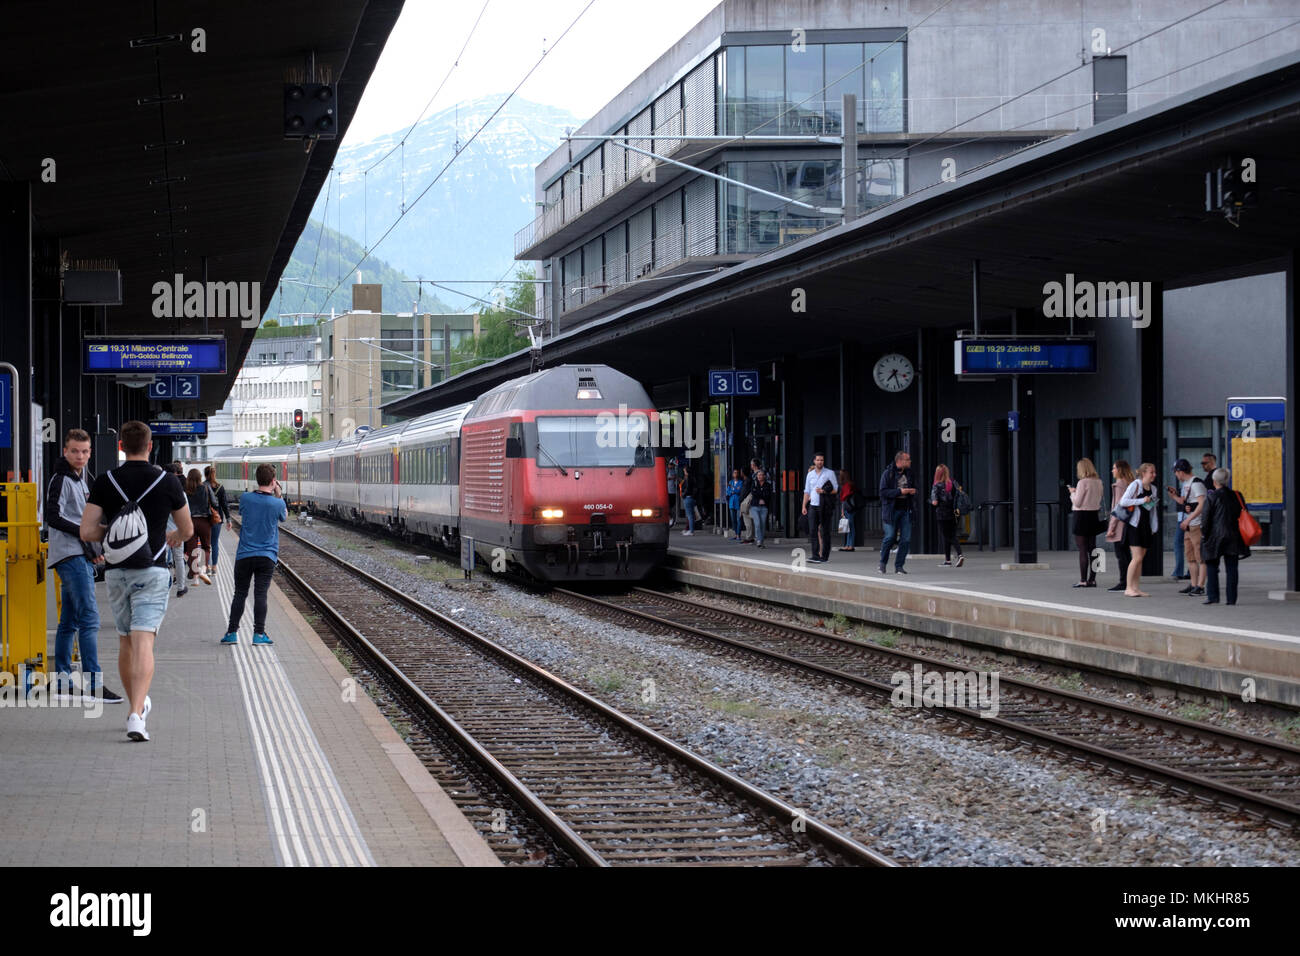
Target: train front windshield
(588,441)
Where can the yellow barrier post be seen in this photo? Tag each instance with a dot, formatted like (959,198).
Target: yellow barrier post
(22,621)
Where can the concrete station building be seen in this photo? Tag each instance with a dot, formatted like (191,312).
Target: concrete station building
(692,273)
(369,357)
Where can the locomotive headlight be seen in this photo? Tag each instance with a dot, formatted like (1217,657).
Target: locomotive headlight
(645,512)
(552,513)
(637,512)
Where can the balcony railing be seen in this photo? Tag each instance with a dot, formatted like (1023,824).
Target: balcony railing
(751,234)
(777,118)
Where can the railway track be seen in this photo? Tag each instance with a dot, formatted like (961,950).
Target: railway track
(605,788)
(1237,771)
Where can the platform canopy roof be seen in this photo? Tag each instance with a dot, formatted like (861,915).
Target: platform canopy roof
(1121,201)
(202,179)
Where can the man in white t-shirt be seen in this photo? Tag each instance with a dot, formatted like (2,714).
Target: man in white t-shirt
(819,506)
(1192,494)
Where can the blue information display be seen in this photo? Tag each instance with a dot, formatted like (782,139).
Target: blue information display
(201,355)
(164,387)
(725,382)
(1024,356)
(722,382)
(174,427)
(6,411)
(1257,410)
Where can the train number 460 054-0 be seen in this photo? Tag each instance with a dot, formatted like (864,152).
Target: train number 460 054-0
(598,507)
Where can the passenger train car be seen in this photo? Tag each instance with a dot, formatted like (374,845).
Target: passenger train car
(555,472)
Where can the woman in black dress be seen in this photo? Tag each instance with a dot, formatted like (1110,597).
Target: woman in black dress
(1142,531)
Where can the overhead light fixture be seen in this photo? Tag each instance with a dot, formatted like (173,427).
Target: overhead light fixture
(164,180)
(156,100)
(162,39)
(170,144)
(171,235)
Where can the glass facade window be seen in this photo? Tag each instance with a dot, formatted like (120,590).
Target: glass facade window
(669,239)
(616,254)
(731,99)
(764,88)
(776,90)
(884,97)
(753,222)
(844,74)
(804,82)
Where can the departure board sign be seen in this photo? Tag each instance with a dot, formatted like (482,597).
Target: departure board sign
(180,428)
(114,355)
(1024,356)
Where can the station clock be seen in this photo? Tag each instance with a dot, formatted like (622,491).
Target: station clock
(893,372)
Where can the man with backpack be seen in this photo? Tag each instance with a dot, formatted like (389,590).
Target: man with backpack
(127,511)
(1191,501)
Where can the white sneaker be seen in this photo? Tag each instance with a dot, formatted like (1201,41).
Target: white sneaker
(135,728)
(687,534)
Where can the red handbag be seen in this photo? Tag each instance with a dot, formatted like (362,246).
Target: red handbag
(1250,530)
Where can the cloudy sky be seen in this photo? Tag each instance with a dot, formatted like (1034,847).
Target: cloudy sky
(613,42)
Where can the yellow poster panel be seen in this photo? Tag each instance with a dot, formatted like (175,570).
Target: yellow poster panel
(1257,470)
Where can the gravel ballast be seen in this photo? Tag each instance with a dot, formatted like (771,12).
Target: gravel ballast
(930,792)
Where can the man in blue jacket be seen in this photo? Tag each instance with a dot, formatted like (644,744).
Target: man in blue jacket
(75,560)
(897,492)
(260,514)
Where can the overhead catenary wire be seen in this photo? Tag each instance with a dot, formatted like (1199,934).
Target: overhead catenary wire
(1088,101)
(455,63)
(911,149)
(502,105)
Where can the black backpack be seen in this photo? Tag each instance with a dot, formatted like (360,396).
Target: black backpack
(128,532)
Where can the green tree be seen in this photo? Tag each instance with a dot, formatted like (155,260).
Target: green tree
(501,331)
(283,435)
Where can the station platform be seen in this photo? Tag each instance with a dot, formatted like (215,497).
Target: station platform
(1167,638)
(255,759)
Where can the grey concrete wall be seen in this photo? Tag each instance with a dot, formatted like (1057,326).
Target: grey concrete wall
(1223,340)
(994,58)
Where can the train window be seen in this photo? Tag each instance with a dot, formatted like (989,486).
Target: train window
(591,441)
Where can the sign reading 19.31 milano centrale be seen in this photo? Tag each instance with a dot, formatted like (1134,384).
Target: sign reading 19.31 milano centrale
(197,354)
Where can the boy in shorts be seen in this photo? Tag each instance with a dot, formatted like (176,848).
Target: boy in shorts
(137,575)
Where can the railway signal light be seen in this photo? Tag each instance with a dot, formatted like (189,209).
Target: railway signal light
(1231,187)
(310,109)
(297,418)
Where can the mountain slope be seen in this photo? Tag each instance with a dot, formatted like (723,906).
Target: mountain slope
(464,226)
(336,255)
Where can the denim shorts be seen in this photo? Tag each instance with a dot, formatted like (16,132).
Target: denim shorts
(138,597)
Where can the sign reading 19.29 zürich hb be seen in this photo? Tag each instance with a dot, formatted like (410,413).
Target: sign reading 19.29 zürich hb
(199,354)
(1021,356)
